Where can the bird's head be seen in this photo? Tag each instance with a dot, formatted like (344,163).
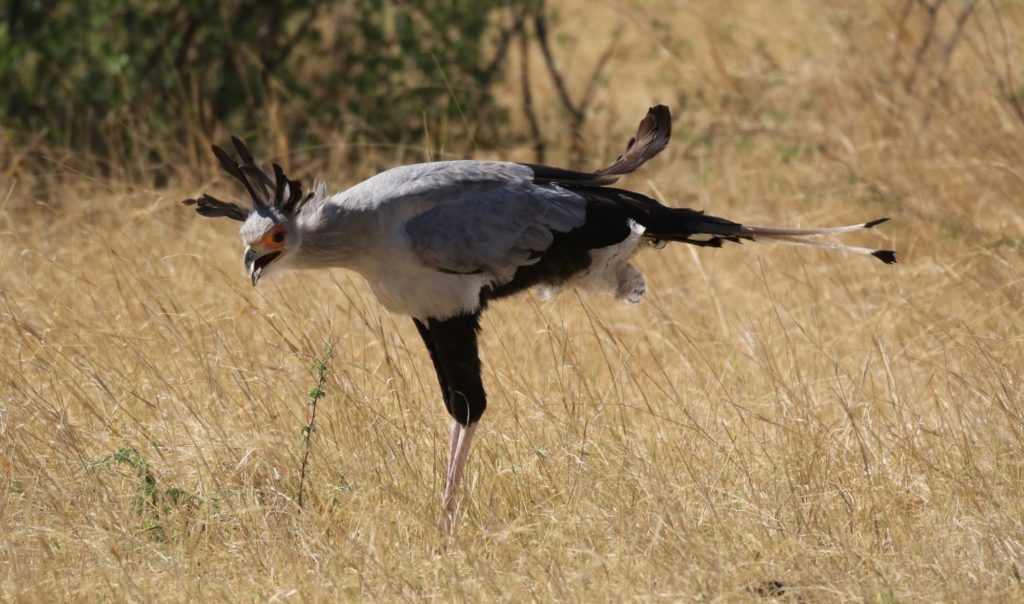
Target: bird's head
(268,237)
(269,231)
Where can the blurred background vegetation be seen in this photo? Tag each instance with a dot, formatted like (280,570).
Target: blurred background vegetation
(113,76)
(143,87)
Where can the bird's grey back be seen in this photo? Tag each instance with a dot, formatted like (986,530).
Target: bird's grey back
(480,217)
(433,180)
(464,216)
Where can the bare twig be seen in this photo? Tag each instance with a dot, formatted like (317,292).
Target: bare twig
(961,20)
(901,30)
(1006,83)
(926,42)
(1001,69)
(1012,97)
(946,53)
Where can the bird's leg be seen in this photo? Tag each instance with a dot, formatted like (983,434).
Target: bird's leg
(453,440)
(453,443)
(452,344)
(457,464)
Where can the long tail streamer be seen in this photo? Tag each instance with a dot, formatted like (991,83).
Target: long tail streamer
(801,237)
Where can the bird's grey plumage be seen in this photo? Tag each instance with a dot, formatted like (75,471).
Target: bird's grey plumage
(430,237)
(496,228)
(478,219)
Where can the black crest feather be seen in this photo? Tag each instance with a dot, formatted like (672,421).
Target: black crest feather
(211,207)
(265,191)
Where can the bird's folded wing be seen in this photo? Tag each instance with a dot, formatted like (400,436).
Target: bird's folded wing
(496,229)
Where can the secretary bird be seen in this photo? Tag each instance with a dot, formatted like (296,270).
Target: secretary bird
(439,241)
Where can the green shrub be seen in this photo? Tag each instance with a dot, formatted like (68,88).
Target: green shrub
(94,74)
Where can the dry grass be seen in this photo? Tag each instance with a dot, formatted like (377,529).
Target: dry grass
(767,414)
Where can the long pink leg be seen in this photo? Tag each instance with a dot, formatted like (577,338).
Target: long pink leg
(453,443)
(457,464)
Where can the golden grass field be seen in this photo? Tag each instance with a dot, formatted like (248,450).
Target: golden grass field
(768,413)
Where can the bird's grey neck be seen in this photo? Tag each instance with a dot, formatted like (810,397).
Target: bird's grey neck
(332,234)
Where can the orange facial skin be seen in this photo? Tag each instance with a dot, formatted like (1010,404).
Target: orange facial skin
(273,240)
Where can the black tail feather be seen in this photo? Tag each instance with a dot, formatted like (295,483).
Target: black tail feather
(662,223)
(886,256)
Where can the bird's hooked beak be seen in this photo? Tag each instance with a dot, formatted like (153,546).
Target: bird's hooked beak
(255,262)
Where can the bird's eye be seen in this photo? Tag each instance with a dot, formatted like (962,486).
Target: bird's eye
(278,237)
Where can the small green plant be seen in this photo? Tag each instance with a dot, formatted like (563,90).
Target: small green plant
(319,369)
(149,502)
(148,493)
(788,152)
(1011,243)
(952,228)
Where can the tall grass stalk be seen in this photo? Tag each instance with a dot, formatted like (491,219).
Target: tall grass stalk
(315,394)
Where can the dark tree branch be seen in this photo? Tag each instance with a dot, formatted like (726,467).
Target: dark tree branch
(595,76)
(186,41)
(300,32)
(577,111)
(504,41)
(541,27)
(528,109)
